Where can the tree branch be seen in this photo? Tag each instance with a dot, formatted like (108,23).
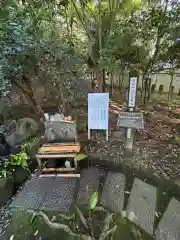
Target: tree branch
(67,217)
(53,225)
(56,225)
(157,45)
(82,218)
(82,22)
(107,222)
(20,87)
(107,233)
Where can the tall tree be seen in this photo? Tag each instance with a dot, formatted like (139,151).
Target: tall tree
(33,49)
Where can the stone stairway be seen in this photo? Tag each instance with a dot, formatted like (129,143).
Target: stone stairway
(58,193)
(46,193)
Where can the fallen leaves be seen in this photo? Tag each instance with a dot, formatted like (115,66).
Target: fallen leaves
(11,238)
(156,147)
(36,232)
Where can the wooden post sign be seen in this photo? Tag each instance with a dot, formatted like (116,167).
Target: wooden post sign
(131,120)
(98,111)
(133,80)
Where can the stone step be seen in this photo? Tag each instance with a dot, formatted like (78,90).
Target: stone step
(61,194)
(142,205)
(169,226)
(113,191)
(33,193)
(89,183)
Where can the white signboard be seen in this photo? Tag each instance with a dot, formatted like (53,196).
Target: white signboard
(132,92)
(98,109)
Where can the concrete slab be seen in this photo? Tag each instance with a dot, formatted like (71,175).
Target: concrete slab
(169,226)
(33,193)
(89,183)
(142,205)
(61,194)
(113,191)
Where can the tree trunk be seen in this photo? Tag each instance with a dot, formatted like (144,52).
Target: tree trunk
(91,75)
(59,93)
(99,78)
(32,98)
(159,35)
(121,82)
(111,85)
(27,90)
(100,82)
(149,90)
(142,88)
(101,73)
(170,86)
(103,81)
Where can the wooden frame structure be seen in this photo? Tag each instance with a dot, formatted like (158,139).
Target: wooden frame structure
(59,151)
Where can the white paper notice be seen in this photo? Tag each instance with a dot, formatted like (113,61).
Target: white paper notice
(98,109)
(132,92)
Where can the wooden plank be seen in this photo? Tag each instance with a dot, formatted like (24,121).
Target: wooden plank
(58,169)
(68,175)
(47,175)
(60,144)
(60,148)
(41,156)
(60,175)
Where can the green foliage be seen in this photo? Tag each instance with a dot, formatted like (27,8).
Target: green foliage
(16,44)
(15,160)
(26,145)
(19,159)
(4,170)
(3,173)
(117,53)
(35,45)
(177,139)
(80,156)
(122,34)
(48,41)
(94,200)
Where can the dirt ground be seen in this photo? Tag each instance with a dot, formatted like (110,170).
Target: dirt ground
(156,148)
